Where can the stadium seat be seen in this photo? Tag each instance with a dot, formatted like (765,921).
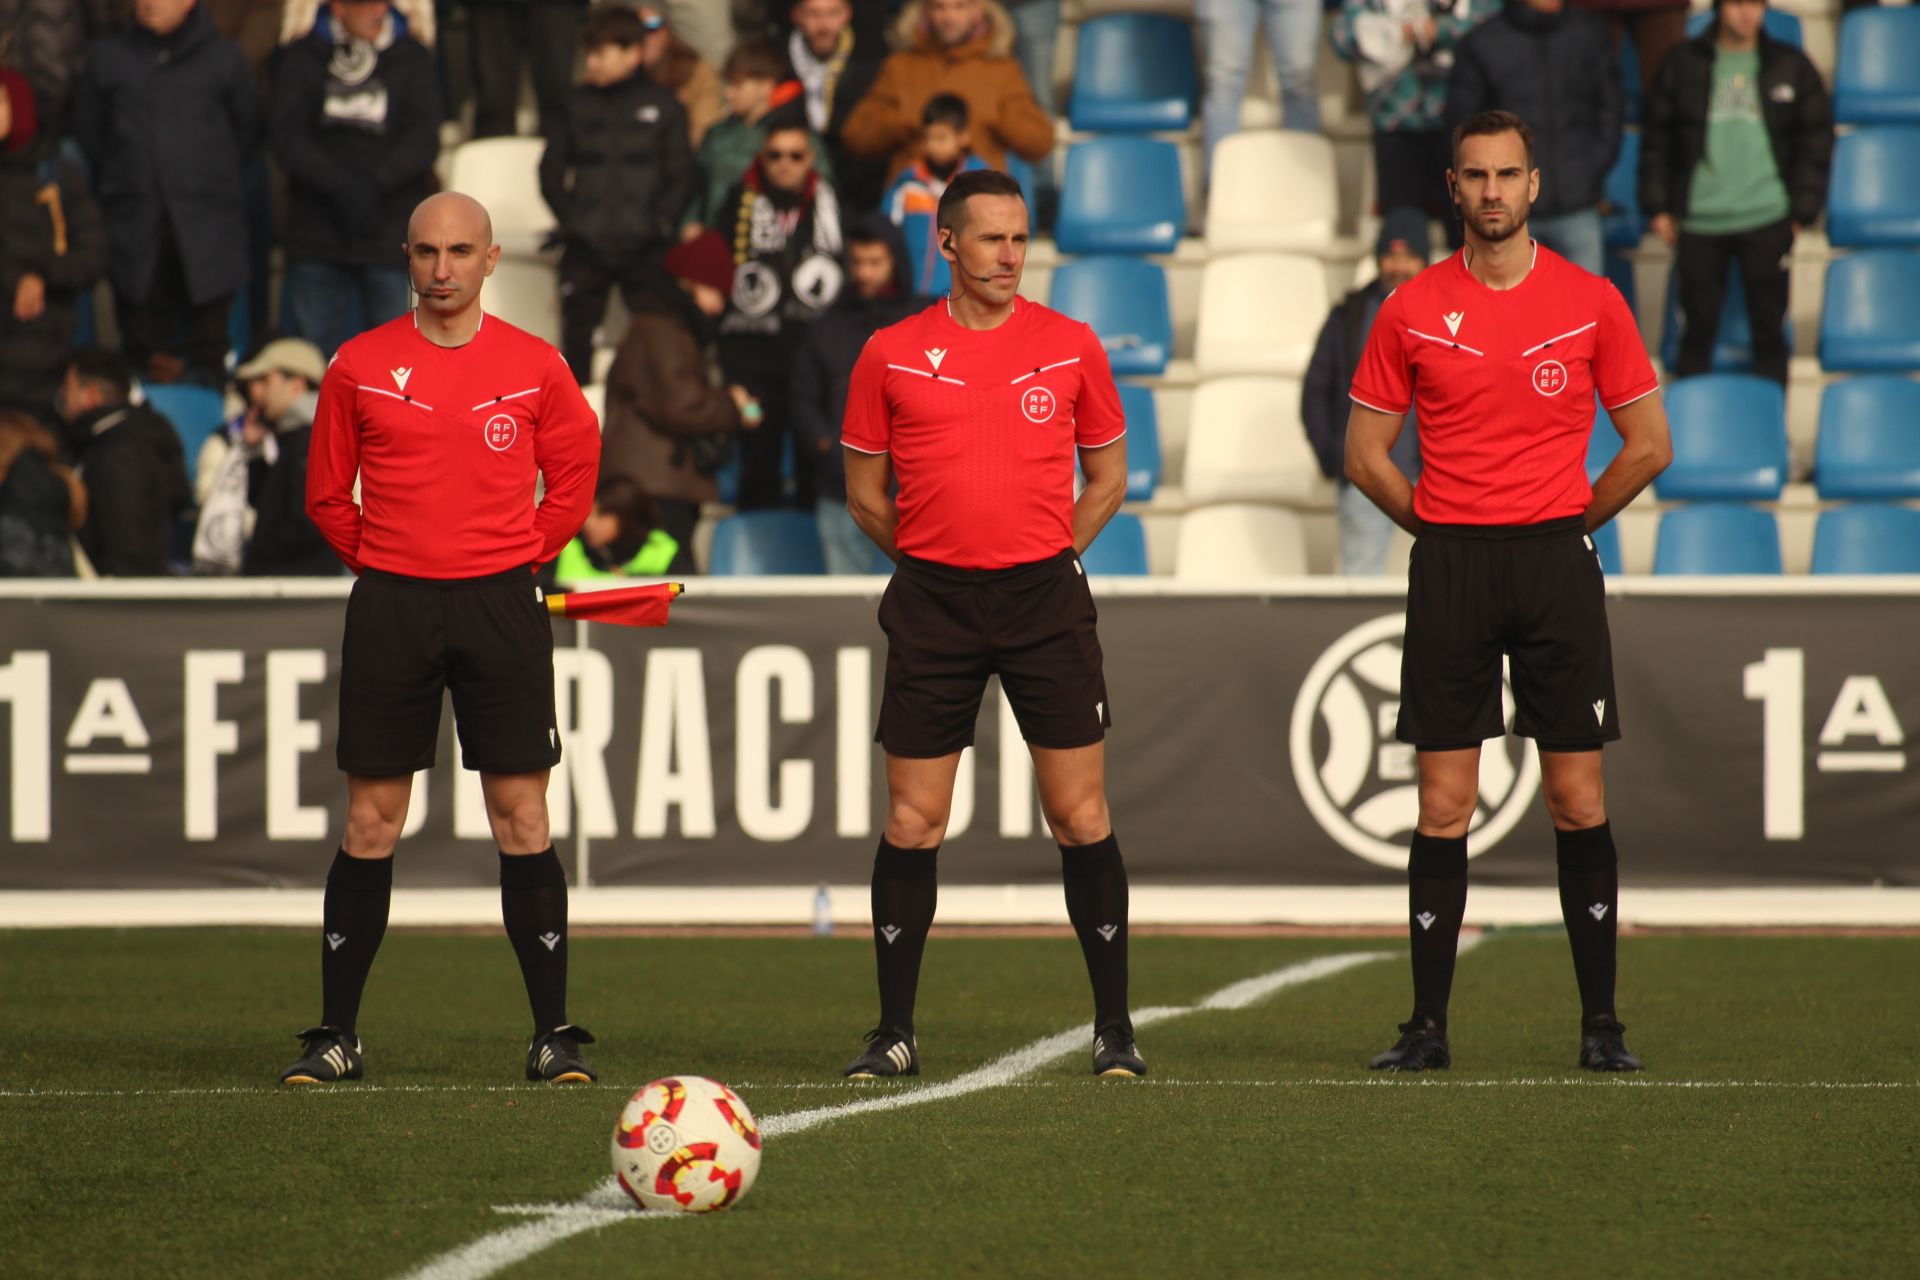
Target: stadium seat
(1121,195)
(1143,440)
(1870,317)
(763,543)
(1273,189)
(1874,195)
(1867,537)
(1778,24)
(1236,543)
(1732,338)
(1717,537)
(194,413)
(504,175)
(596,394)
(1876,73)
(1602,444)
(1121,548)
(1869,442)
(1022,172)
(1245,443)
(1606,544)
(1729,439)
(1133,73)
(1125,300)
(1260,313)
(1624,222)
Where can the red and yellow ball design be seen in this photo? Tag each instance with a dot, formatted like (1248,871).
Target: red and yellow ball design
(686,1144)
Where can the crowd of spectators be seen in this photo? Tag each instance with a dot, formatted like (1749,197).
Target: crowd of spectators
(756,179)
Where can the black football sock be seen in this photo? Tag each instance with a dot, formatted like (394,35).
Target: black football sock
(1437,896)
(533,901)
(353,920)
(1095,879)
(905,888)
(1589,899)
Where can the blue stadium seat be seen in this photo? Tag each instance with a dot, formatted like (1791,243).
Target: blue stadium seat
(1729,439)
(1121,195)
(1022,172)
(762,543)
(1874,195)
(1870,317)
(1133,73)
(1876,73)
(1867,537)
(1732,338)
(1602,444)
(1126,302)
(1121,548)
(1779,24)
(1624,222)
(1869,443)
(194,412)
(1717,537)
(1143,440)
(1606,542)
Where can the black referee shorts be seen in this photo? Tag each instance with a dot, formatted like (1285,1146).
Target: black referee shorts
(1534,593)
(949,629)
(489,640)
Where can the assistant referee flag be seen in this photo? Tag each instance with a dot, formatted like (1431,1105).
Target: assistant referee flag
(644,606)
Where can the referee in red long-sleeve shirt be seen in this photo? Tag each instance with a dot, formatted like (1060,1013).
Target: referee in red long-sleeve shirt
(447,416)
(978,406)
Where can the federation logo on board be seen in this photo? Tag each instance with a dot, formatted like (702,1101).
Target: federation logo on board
(1359,782)
(501,432)
(1038,404)
(1549,377)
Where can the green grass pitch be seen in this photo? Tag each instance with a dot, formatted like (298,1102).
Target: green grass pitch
(1775,1133)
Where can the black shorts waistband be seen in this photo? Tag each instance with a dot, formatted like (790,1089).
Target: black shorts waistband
(524,574)
(954,573)
(1502,532)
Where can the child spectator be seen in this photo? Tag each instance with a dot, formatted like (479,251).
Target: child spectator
(758,87)
(946,148)
(616,174)
(619,539)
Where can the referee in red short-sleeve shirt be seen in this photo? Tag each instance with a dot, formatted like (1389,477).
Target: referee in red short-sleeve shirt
(977,407)
(447,416)
(1502,349)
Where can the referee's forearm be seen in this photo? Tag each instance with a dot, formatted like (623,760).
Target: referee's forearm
(1095,506)
(1384,486)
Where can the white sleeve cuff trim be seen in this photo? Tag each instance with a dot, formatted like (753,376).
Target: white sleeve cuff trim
(1630,399)
(1376,408)
(871,453)
(1104,443)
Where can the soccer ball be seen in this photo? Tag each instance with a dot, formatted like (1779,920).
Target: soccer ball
(686,1144)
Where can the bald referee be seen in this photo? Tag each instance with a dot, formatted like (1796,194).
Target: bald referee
(447,416)
(1501,350)
(977,406)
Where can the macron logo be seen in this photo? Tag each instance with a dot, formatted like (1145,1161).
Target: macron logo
(334,940)
(1453,319)
(934,357)
(550,940)
(890,932)
(1600,711)
(1598,911)
(1107,931)
(1426,919)
(400,377)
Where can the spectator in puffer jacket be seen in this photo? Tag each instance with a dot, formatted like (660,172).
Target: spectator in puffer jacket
(47,42)
(131,463)
(616,175)
(356,126)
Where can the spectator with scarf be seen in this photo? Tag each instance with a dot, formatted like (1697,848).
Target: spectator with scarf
(835,62)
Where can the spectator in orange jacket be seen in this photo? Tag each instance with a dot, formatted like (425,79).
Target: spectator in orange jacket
(961,47)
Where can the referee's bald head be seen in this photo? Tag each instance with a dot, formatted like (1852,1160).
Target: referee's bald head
(451,213)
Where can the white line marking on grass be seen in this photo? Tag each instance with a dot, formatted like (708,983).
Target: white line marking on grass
(607,1204)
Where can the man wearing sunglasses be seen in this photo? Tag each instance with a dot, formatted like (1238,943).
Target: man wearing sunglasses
(782,223)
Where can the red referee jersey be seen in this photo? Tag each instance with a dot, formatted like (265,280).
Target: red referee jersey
(982,426)
(446,442)
(1503,382)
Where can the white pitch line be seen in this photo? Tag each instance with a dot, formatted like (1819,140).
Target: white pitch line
(606,1203)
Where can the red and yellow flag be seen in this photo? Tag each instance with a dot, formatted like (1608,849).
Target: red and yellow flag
(643,606)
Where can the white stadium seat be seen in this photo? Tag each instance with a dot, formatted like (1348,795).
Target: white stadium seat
(1236,543)
(1273,189)
(1260,313)
(504,175)
(1246,444)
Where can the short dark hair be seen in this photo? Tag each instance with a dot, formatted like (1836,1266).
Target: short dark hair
(1488,124)
(624,500)
(104,369)
(612,24)
(965,186)
(945,108)
(753,60)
